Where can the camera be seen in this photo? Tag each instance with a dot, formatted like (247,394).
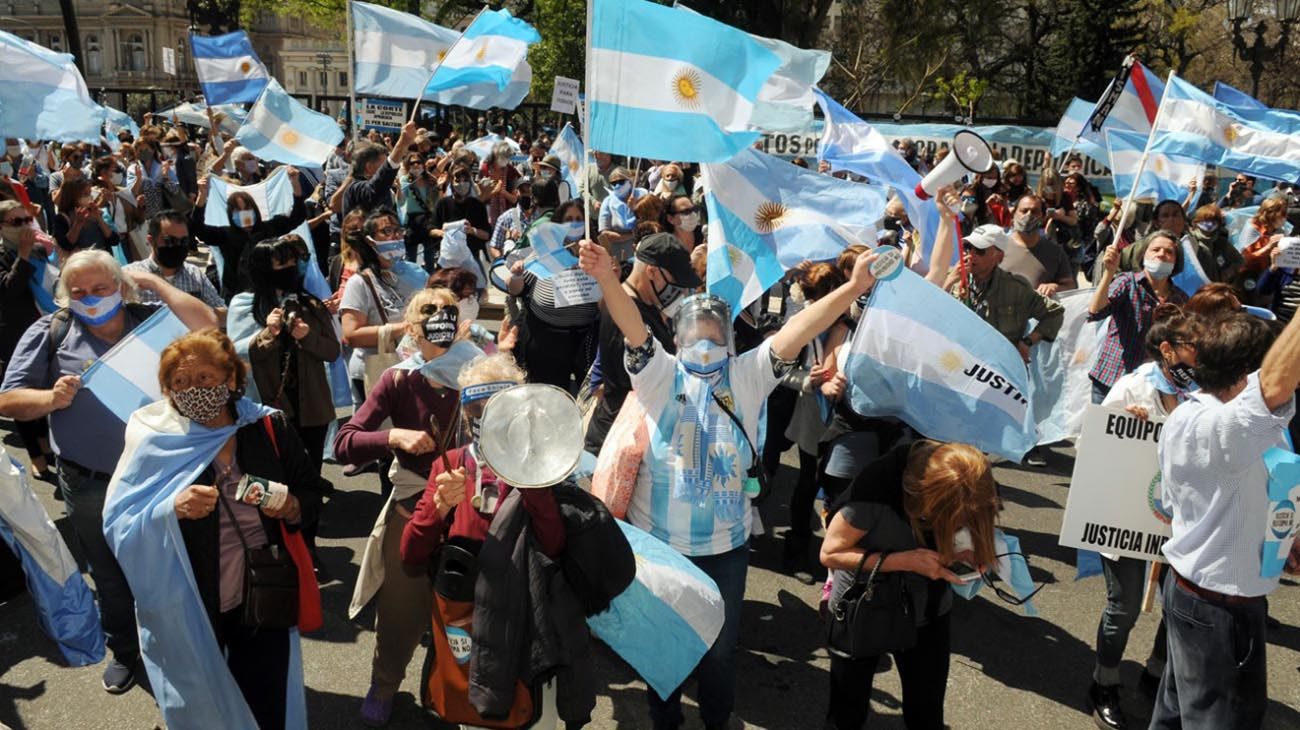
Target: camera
(292,309)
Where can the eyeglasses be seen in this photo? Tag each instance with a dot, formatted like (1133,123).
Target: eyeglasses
(390,231)
(19,221)
(429,310)
(176,241)
(686,211)
(1006,595)
(975,251)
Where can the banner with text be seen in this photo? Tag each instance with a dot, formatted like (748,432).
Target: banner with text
(1115,504)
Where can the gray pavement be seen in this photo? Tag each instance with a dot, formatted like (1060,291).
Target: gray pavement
(1008,671)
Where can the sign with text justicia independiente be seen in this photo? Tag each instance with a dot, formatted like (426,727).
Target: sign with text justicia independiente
(1115,505)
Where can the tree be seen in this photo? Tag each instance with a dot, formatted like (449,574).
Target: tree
(963,91)
(1088,48)
(563,49)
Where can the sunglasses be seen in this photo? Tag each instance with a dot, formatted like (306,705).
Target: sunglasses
(975,251)
(1006,595)
(429,310)
(176,241)
(19,221)
(686,211)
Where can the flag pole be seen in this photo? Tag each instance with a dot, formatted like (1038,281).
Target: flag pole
(352,87)
(1142,163)
(1073,143)
(584,112)
(415,109)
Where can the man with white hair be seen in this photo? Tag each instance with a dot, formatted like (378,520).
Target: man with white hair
(99,307)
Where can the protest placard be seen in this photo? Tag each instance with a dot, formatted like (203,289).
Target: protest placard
(564,98)
(1288,256)
(1115,504)
(573,287)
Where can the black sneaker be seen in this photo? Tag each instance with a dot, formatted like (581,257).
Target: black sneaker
(118,677)
(1106,712)
(1149,683)
(1037,457)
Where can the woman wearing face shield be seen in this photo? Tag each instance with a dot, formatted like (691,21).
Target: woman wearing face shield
(703,409)
(245,228)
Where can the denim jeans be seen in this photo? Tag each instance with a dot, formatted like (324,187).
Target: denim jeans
(716,672)
(1125,583)
(1217,676)
(1099,391)
(83,499)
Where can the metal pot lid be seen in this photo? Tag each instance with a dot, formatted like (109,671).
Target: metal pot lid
(531,435)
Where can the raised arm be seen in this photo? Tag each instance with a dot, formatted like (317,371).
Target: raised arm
(596,262)
(191,311)
(816,317)
(1279,376)
(944,238)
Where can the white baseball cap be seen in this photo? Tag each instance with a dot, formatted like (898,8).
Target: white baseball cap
(989,234)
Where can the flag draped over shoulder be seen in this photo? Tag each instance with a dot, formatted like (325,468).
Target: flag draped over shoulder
(669,84)
(43,96)
(281,128)
(166,452)
(228,68)
(766,216)
(65,606)
(921,355)
(126,377)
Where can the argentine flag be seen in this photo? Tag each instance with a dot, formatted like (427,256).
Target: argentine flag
(1128,103)
(1235,97)
(280,128)
(488,52)
(1193,124)
(43,96)
(273,196)
(228,68)
(1069,129)
(483,147)
(848,143)
(1163,177)
(229,116)
(921,355)
(568,147)
(126,377)
(668,84)
(766,216)
(116,122)
(550,256)
(393,52)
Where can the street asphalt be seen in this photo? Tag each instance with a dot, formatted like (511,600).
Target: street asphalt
(1008,670)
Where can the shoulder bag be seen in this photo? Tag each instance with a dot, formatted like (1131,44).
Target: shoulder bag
(873,617)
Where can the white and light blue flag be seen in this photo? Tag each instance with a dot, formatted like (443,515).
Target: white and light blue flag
(229,116)
(228,68)
(568,147)
(1070,127)
(766,216)
(65,607)
(43,96)
(116,122)
(1129,103)
(1235,97)
(456,253)
(1193,124)
(488,52)
(394,53)
(549,256)
(848,143)
(483,147)
(281,128)
(672,595)
(668,84)
(1193,275)
(126,377)
(273,196)
(1059,386)
(921,355)
(1164,177)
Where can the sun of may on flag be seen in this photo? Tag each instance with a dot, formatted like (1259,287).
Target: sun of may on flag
(228,68)
(489,51)
(669,84)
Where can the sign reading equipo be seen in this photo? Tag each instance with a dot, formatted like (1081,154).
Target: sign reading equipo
(1115,505)
(381,115)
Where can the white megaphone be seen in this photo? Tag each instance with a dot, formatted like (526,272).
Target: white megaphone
(969,153)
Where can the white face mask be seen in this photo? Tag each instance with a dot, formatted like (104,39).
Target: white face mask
(117,179)
(690,222)
(468,309)
(244,218)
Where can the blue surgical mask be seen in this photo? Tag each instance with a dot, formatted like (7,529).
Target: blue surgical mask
(95,311)
(703,357)
(1158,269)
(622,189)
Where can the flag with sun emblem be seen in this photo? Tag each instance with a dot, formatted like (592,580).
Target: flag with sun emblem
(280,128)
(228,68)
(766,216)
(1192,124)
(488,52)
(921,355)
(569,149)
(1164,177)
(669,84)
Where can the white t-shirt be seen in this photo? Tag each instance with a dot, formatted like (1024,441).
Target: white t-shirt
(393,295)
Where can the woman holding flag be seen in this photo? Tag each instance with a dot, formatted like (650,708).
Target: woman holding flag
(203,514)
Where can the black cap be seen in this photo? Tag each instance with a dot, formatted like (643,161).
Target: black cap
(666,252)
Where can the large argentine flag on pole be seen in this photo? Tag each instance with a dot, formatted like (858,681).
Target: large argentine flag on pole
(280,128)
(1163,177)
(228,68)
(666,619)
(126,377)
(65,606)
(394,51)
(489,51)
(921,355)
(766,216)
(1069,129)
(43,96)
(848,143)
(668,84)
(1264,142)
(1129,103)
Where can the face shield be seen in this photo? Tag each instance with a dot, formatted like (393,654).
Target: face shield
(704,335)
(472,400)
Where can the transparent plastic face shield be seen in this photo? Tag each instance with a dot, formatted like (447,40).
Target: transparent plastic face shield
(704,317)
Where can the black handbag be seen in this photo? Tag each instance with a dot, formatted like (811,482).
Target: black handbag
(270,583)
(873,617)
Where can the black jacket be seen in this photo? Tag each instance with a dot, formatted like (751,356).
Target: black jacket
(17,304)
(236,243)
(255,455)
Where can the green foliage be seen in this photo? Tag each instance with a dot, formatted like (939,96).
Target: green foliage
(963,91)
(1087,48)
(563,50)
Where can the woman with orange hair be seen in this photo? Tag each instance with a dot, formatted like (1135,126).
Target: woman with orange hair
(910,509)
(1267,223)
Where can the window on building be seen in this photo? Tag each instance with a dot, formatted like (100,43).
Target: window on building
(324,81)
(343,79)
(133,58)
(94,57)
(302,80)
(56,42)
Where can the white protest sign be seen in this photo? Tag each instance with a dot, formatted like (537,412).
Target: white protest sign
(1114,505)
(169,60)
(573,287)
(385,116)
(1288,256)
(564,98)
